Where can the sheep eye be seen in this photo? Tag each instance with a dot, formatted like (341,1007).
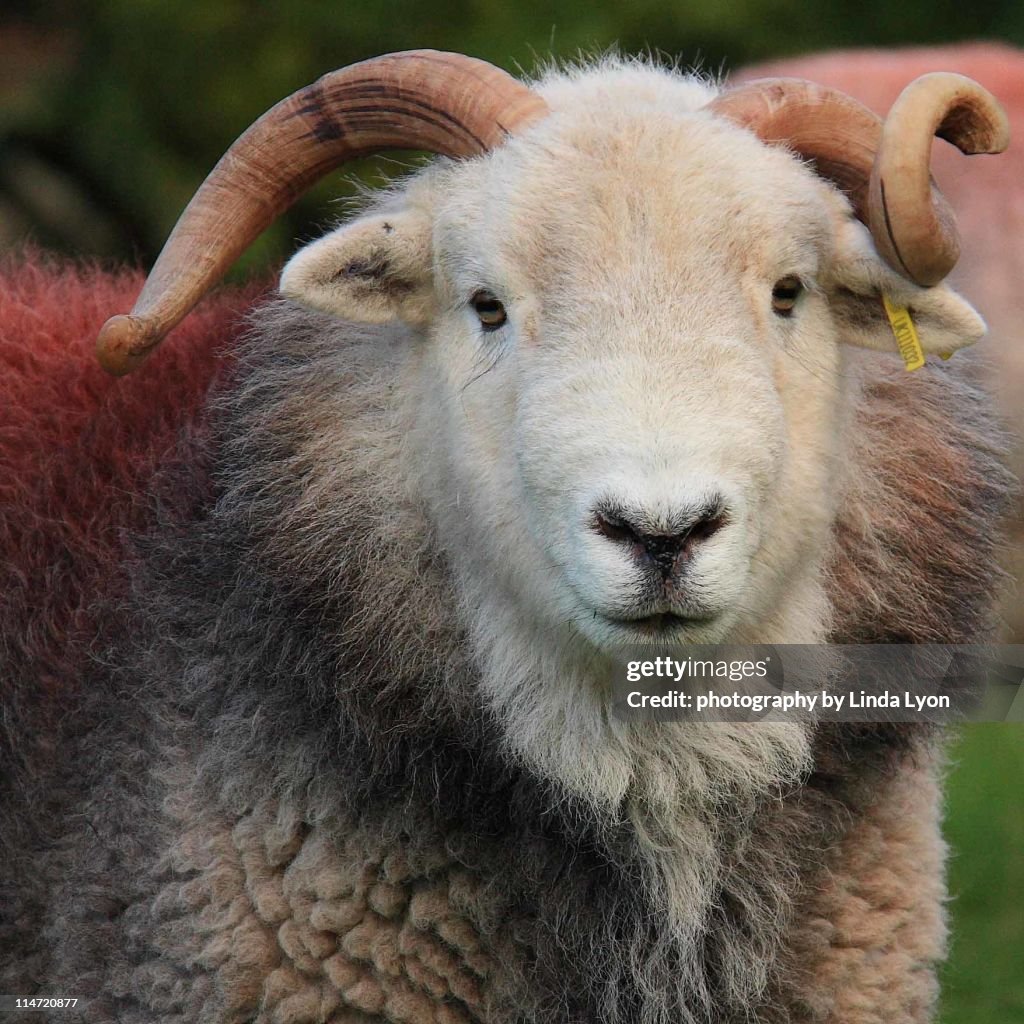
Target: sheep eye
(785,294)
(488,309)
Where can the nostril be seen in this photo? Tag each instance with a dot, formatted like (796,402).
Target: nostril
(709,524)
(615,526)
(662,542)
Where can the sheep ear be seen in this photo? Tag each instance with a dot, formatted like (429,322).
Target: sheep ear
(860,283)
(375,269)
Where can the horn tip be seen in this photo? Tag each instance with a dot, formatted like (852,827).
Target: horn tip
(124,343)
(1001,130)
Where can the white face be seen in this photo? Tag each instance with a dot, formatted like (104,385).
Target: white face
(631,389)
(641,432)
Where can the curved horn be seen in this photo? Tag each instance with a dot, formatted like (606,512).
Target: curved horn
(444,103)
(824,125)
(883,168)
(912,232)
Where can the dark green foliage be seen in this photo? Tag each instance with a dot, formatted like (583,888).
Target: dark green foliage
(116,109)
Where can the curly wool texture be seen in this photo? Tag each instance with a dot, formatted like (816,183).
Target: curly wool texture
(299,927)
(258,770)
(876,916)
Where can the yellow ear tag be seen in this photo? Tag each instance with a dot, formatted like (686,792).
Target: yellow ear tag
(906,334)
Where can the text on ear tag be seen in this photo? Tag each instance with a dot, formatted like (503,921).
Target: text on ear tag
(906,334)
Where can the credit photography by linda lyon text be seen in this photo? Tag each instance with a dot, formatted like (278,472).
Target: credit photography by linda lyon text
(852,683)
(787,702)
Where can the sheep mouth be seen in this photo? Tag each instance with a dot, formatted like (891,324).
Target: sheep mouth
(660,622)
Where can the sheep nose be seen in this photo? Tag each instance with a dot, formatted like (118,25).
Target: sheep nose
(663,541)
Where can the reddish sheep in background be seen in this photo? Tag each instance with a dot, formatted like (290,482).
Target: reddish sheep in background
(988,196)
(78,448)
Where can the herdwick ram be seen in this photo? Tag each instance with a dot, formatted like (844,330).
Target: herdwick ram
(306,677)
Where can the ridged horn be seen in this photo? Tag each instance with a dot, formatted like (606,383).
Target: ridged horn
(443,103)
(882,167)
(914,233)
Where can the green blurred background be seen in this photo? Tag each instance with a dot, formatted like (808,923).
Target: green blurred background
(112,112)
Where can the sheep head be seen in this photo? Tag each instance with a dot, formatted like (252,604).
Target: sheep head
(629,313)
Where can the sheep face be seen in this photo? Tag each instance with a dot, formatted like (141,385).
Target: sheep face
(629,382)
